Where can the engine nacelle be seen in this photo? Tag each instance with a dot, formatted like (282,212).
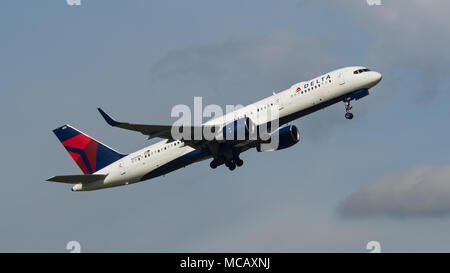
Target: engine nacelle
(287,137)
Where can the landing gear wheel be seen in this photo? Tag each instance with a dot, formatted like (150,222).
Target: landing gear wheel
(231,165)
(239,162)
(348,107)
(213,164)
(228,163)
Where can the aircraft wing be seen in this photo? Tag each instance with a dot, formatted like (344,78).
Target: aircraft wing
(165,131)
(152,131)
(75,179)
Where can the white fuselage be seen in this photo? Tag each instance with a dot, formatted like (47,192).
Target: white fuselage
(298,100)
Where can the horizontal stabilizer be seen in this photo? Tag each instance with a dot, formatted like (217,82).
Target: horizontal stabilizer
(75,179)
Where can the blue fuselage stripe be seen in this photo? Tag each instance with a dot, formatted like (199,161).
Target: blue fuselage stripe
(177,163)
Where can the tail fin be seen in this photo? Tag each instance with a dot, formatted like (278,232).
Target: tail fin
(89,154)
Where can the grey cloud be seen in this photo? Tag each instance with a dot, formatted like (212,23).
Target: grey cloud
(407,35)
(421,191)
(234,70)
(241,66)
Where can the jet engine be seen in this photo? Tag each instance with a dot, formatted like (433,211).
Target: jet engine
(282,138)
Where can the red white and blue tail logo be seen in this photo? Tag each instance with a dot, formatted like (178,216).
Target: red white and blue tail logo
(89,154)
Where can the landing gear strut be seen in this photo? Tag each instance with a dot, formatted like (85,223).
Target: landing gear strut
(348,107)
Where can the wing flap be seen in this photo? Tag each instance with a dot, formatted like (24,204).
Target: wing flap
(75,179)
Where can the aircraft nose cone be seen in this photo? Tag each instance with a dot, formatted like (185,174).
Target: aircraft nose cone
(377,77)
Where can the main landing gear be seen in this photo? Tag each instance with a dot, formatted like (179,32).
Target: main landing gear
(231,164)
(348,107)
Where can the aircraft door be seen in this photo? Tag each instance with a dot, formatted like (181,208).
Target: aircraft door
(122,169)
(341,78)
(283,101)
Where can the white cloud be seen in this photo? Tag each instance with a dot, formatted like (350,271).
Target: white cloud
(422,191)
(417,30)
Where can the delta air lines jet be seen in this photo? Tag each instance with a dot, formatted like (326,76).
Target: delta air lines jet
(104,167)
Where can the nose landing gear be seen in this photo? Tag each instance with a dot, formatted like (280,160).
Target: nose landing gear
(348,107)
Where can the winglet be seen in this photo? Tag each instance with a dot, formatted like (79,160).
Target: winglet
(108,118)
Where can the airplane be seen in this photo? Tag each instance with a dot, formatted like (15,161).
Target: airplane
(103,167)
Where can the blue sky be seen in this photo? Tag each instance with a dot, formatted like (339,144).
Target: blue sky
(382,176)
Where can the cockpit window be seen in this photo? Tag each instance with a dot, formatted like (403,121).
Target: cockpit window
(359,71)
